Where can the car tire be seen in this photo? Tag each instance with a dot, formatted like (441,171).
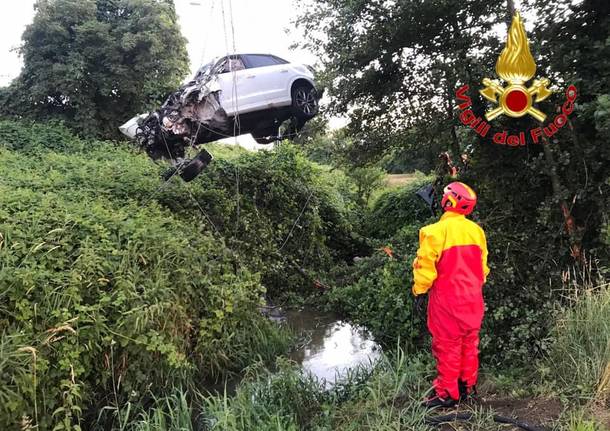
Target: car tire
(304,101)
(195,166)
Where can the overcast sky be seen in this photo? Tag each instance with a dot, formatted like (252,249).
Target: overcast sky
(259,26)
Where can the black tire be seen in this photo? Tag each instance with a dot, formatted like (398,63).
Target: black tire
(304,101)
(195,166)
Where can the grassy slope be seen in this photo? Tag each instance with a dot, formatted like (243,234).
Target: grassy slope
(96,267)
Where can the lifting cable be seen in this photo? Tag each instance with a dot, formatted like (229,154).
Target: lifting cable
(296,221)
(236,120)
(207,34)
(234,95)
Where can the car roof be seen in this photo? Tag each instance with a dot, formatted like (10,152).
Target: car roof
(247,53)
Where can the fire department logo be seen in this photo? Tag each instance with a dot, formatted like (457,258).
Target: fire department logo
(516,66)
(513,97)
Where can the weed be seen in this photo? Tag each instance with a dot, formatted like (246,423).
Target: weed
(580,357)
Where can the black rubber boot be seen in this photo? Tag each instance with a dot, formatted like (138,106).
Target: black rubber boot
(436,400)
(467,394)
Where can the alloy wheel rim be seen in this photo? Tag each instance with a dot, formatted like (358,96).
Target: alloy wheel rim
(306,101)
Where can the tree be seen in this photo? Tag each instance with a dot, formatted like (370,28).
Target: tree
(580,55)
(392,66)
(96,63)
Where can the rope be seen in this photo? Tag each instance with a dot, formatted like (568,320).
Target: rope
(207,34)
(234,96)
(224,25)
(236,122)
(166,182)
(188,189)
(467,416)
(202,210)
(296,222)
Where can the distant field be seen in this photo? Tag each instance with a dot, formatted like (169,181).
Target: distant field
(397,180)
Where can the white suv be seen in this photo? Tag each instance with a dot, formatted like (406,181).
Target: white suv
(258,82)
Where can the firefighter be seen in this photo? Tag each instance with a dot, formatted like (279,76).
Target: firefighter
(451,266)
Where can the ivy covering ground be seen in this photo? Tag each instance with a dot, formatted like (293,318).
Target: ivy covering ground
(115,286)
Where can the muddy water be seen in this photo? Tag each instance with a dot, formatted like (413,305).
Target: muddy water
(329,345)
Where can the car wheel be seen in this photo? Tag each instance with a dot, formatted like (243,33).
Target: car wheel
(305,101)
(195,166)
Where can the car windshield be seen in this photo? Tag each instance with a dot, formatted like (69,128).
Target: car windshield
(205,69)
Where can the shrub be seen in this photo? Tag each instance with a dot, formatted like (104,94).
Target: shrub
(376,292)
(113,285)
(115,293)
(367,179)
(397,208)
(290,219)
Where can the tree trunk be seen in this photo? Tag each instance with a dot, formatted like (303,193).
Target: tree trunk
(569,222)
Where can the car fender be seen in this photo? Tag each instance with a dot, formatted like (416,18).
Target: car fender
(295,79)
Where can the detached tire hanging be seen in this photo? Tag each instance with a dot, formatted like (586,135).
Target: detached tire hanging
(195,166)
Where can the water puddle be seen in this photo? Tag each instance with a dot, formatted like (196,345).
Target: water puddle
(330,345)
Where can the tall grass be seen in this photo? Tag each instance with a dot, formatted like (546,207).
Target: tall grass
(384,397)
(173,413)
(580,356)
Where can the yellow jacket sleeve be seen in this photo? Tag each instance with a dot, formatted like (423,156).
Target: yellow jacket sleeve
(484,255)
(424,265)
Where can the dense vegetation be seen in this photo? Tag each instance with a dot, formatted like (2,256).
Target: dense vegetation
(115,286)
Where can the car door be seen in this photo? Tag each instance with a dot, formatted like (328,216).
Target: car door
(233,81)
(268,80)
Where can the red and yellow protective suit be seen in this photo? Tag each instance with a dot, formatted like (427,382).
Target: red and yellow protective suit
(451,265)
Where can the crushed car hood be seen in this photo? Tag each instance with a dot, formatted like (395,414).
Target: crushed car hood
(187,118)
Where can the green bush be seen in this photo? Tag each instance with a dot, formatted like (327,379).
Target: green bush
(367,180)
(285,215)
(397,208)
(114,285)
(108,293)
(376,292)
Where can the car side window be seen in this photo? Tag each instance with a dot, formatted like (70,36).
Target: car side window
(231,64)
(280,60)
(259,60)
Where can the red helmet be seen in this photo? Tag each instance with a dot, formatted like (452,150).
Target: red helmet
(459,198)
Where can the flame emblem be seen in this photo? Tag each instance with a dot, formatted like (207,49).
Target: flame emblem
(516,66)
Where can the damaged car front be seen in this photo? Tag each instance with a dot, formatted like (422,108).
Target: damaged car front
(232,95)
